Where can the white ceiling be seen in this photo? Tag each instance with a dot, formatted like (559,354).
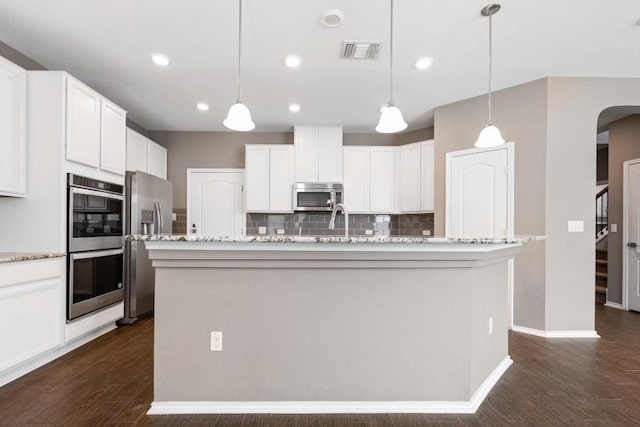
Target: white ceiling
(107,44)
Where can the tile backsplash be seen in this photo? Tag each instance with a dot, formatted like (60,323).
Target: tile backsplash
(317,224)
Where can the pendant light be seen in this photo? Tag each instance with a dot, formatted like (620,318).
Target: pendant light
(490,136)
(239,117)
(391,120)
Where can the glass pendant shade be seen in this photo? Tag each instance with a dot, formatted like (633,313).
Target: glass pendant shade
(391,120)
(239,118)
(490,136)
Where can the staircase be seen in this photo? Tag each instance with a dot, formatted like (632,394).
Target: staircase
(602,231)
(601,275)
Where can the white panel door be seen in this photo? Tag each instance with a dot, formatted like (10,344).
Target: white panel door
(632,248)
(479,193)
(13,128)
(113,140)
(281,178)
(83,124)
(257,169)
(410,178)
(215,202)
(381,180)
(156,159)
(306,145)
(136,151)
(356,179)
(427,184)
(330,154)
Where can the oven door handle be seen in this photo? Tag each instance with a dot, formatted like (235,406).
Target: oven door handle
(76,190)
(96,254)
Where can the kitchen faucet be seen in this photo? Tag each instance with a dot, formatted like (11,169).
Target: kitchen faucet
(332,223)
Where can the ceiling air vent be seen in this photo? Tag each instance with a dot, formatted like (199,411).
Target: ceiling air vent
(360,50)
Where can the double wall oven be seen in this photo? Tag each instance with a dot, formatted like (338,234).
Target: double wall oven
(94,245)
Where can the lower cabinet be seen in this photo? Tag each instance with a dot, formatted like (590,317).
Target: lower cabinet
(32,316)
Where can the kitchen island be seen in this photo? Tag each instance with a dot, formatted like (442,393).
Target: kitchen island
(328,325)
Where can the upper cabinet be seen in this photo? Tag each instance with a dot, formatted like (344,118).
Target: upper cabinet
(145,155)
(416,177)
(13,135)
(95,130)
(318,153)
(270,177)
(113,147)
(83,124)
(369,179)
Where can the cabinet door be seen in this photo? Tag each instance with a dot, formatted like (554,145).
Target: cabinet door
(83,124)
(281,178)
(410,178)
(356,179)
(257,172)
(136,151)
(330,154)
(381,185)
(427,184)
(113,141)
(306,146)
(156,159)
(13,127)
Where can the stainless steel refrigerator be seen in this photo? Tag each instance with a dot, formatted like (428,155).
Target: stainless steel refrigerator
(148,210)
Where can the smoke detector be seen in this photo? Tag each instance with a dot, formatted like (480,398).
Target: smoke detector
(360,50)
(332,18)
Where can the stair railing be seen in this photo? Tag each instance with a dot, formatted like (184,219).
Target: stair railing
(602,208)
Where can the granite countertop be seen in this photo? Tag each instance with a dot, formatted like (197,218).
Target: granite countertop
(327,239)
(27,256)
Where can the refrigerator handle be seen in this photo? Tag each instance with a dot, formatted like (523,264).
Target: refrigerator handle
(159,216)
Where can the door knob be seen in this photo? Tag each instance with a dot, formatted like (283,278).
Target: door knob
(632,244)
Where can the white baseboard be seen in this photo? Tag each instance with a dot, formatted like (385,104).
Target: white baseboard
(337,407)
(24,368)
(555,334)
(613,305)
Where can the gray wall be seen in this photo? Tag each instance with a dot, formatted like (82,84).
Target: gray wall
(226,150)
(18,58)
(624,144)
(520,113)
(553,123)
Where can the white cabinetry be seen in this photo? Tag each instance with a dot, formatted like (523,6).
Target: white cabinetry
(32,315)
(95,132)
(13,135)
(145,155)
(269,177)
(416,177)
(318,153)
(83,124)
(368,179)
(113,147)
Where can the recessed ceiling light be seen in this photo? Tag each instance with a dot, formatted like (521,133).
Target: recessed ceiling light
(332,18)
(424,63)
(160,59)
(202,106)
(292,61)
(294,108)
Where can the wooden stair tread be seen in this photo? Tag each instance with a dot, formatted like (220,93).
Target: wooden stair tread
(601,274)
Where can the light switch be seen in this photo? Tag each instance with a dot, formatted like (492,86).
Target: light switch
(280,231)
(576,226)
(614,228)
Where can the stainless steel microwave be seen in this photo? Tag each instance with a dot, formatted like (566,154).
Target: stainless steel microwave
(316,197)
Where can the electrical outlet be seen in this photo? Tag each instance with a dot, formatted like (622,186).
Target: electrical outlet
(174,216)
(280,231)
(368,232)
(216,341)
(490,325)
(262,230)
(426,232)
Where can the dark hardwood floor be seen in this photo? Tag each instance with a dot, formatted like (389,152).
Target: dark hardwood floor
(553,382)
